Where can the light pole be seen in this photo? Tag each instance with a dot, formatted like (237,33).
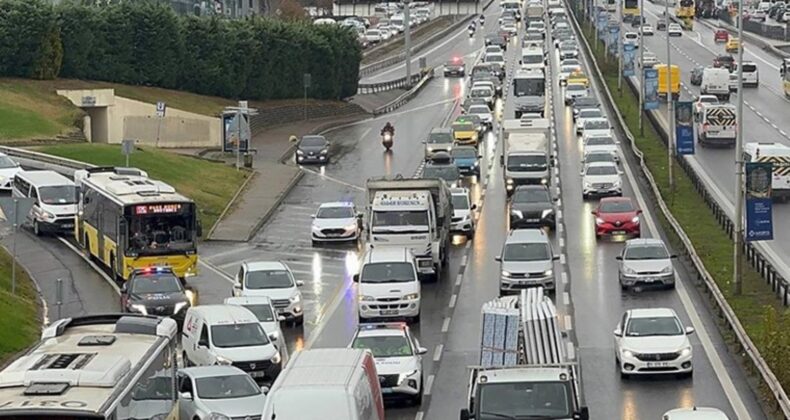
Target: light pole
(407,40)
(738,240)
(641,67)
(670,104)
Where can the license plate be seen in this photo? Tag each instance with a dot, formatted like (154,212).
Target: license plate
(68,225)
(618,232)
(386,390)
(657,364)
(533,220)
(649,279)
(389,312)
(257,374)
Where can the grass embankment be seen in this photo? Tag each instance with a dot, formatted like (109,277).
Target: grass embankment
(28,111)
(760,312)
(19,318)
(210,184)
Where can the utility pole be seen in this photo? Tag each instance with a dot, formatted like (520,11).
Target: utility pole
(739,200)
(670,106)
(407,39)
(641,68)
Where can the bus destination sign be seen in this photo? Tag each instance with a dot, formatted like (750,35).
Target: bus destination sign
(157,209)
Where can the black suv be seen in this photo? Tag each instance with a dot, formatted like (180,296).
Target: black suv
(156,291)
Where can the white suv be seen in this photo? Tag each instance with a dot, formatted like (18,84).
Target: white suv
(274,280)
(388,285)
(695,413)
(652,341)
(463,221)
(398,357)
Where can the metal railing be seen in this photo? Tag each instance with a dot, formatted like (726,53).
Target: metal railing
(424,77)
(367,88)
(724,310)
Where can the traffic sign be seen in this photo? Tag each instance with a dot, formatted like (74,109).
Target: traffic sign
(15,210)
(161,108)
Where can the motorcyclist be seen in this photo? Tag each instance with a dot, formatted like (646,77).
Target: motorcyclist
(482,19)
(388,128)
(472,26)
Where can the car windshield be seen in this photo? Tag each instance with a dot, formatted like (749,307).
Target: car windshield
(602,170)
(596,125)
(157,284)
(341,212)
(444,137)
(448,173)
(374,32)
(464,153)
(387,272)
(526,163)
(652,326)
(575,87)
(238,335)
(619,206)
(630,36)
(416,219)
(495,58)
(385,345)
(709,100)
(510,400)
(600,141)
(587,102)
(61,194)
(569,69)
(463,126)
(6,162)
(460,202)
(526,252)
(479,109)
(531,195)
(313,142)
(226,387)
(269,279)
(262,312)
(747,68)
(646,252)
(480,93)
(532,59)
(598,157)
(590,113)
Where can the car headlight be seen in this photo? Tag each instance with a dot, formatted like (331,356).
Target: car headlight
(635,220)
(217,416)
(449,149)
(179,306)
(546,213)
(627,353)
(350,227)
(364,298)
(509,181)
(476,164)
(139,308)
(295,298)
(411,296)
(548,272)
(429,149)
(544,181)
(325,151)
(517,213)
(402,376)
(599,221)
(617,183)
(223,360)
(686,351)
(299,152)
(587,185)
(276,359)
(47,215)
(629,270)
(667,270)
(191,297)
(505,273)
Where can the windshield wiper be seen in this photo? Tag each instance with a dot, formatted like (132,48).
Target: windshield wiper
(499,415)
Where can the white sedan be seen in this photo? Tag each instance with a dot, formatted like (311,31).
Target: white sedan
(584,115)
(601,143)
(484,113)
(652,341)
(674,30)
(336,222)
(601,179)
(647,30)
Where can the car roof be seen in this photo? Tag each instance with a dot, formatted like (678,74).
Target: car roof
(336,204)
(213,370)
(527,235)
(695,413)
(224,314)
(248,300)
(644,241)
(383,329)
(459,191)
(652,312)
(387,254)
(265,265)
(601,164)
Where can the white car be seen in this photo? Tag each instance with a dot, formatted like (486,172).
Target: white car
(484,113)
(214,392)
(566,71)
(274,280)
(8,168)
(538,27)
(652,341)
(336,222)
(463,221)
(263,309)
(398,358)
(373,36)
(570,62)
(573,91)
(510,28)
(601,143)
(695,413)
(645,261)
(601,179)
(674,30)
(498,58)
(555,4)
(649,59)
(647,30)
(493,49)
(702,101)
(596,127)
(386,32)
(631,38)
(586,114)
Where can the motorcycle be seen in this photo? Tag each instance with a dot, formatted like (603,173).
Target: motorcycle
(471,33)
(482,20)
(386,140)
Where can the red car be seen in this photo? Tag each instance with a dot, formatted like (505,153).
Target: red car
(721,35)
(616,216)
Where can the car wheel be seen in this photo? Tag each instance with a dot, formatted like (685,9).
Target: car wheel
(584,197)
(624,375)
(623,287)
(470,235)
(299,321)
(314,242)
(36,228)
(417,400)
(671,286)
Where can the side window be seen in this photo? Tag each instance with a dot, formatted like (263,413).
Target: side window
(34,194)
(203,335)
(240,275)
(623,322)
(184,383)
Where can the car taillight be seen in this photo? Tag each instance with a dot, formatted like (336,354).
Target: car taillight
(705,127)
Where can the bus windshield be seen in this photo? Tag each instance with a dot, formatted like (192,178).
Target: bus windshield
(156,229)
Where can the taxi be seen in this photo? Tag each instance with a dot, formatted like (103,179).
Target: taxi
(578,78)
(733,44)
(721,35)
(464,133)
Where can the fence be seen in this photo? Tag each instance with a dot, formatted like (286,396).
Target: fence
(723,308)
(364,89)
(425,77)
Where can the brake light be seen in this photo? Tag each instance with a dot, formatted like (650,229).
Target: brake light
(705,127)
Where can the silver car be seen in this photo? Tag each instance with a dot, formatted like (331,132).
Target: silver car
(218,392)
(646,261)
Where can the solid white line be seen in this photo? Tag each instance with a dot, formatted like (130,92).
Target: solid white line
(330,178)
(459,279)
(429,384)
(234,250)
(437,352)
(93,265)
(446,324)
(453,298)
(216,270)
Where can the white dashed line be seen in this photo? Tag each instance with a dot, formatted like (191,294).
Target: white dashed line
(568,323)
(437,353)
(419,415)
(458,279)
(562,259)
(429,384)
(564,278)
(446,325)
(562,243)
(566,298)
(464,260)
(453,298)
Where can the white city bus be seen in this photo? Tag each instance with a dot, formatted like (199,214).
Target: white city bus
(109,367)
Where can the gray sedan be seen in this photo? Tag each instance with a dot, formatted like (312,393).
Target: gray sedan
(217,392)
(646,262)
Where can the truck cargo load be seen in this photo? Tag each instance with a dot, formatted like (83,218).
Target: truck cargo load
(526,158)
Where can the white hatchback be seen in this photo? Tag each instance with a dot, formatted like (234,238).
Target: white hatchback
(652,341)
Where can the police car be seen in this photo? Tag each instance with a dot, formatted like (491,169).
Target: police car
(398,357)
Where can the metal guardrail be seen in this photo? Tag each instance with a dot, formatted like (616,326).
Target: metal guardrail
(724,309)
(367,88)
(425,76)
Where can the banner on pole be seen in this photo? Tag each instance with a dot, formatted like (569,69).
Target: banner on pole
(614,39)
(651,89)
(759,211)
(684,131)
(603,18)
(629,53)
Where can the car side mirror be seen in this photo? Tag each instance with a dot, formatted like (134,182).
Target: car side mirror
(299,283)
(581,173)
(465,414)
(639,211)
(474,207)
(594,212)
(498,258)
(184,395)
(555,257)
(689,330)
(359,215)
(273,336)
(312,216)
(422,350)
(355,278)
(673,256)
(619,172)
(199,229)
(203,343)
(281,318)
(123,288)
(619,258)
(618,333)
(265,390)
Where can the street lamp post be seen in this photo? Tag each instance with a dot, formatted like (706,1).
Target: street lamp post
(738,240)
(641,67)
(670,105)
(407,40)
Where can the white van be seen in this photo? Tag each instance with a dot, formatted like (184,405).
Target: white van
(533,59)
(55,198)
(321,384)
(229,335)
(716,81)
(388,284)
(751,76)
(276,281)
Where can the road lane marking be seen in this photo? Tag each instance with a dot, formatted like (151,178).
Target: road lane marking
(464,260)
(568,323)
(437,352)
(564,278)
(566,298)
(446,324)
(419,415)
(429,384)
(453,298)
(459,279)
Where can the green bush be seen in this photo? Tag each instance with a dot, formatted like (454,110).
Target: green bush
(147,43)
